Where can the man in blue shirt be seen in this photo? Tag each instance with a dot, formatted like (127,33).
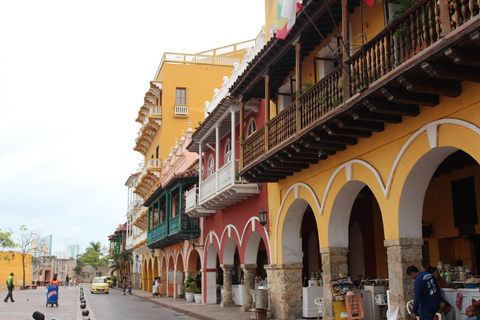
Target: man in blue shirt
(426,294)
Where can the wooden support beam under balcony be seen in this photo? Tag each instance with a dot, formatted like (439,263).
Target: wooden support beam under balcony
(453,72)
(447,88)
(364,114)
(401,95)
(266,166)
(382,106)
(286,165)
(322,136)
(465,57)
(359,125)
(333,130)
(267,176)
(295,158)
(313,144)
(260,170)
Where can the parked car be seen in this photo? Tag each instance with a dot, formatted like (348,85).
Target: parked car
(100,284)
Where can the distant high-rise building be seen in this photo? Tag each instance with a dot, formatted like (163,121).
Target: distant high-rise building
(73,250)
(42,246)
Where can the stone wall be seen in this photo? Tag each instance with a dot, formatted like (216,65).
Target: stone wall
(43,269)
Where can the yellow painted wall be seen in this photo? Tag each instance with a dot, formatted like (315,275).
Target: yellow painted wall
(438,210)
(270,14)
(8,265)
(380,151)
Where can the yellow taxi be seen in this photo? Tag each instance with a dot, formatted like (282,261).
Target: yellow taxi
(100,284)
(109,281)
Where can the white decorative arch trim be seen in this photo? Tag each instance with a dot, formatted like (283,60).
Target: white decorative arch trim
(432,133)
(348,166)
(295,188)
(213,238)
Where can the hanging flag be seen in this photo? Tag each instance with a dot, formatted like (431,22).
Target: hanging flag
(369,2)
(286,14)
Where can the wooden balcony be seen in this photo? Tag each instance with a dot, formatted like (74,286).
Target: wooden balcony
(219,191)
(424,54)
(173,231)
(149,177)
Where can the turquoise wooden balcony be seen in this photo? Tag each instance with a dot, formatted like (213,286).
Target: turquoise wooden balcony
(173,231)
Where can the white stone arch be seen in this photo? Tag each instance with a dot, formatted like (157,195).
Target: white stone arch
(251,249)
(211,262)
(410,209)
(340,214)
(417,181)
(295,189)
(210,274)
(229,251)
(291,242)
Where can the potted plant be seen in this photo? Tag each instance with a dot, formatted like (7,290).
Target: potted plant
(198,295)
(188,286)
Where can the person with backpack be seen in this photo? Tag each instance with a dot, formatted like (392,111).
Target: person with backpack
(10,286)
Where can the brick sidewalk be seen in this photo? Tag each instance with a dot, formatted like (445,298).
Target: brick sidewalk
(31,300)
(194,310)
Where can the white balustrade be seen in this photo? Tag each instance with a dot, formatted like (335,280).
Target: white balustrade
(156,110)
(135,204)
(225,176)
(183,110)
(208,187)
(154,163)
(191,199)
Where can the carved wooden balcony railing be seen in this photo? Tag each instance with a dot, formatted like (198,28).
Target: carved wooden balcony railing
(321,108)
(172,231)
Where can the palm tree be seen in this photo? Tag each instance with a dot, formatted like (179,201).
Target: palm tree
(120,260)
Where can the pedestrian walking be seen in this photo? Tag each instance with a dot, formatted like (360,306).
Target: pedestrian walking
(156,286)
(66,281)
(74,281)
(10,286)
(124,282)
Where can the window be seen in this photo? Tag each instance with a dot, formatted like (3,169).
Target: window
(252,127)
(175,206)
(228,151)
(181,96)
(211,166)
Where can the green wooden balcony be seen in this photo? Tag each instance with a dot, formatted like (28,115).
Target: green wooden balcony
(173,231)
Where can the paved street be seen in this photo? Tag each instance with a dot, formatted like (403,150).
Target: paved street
(115,305)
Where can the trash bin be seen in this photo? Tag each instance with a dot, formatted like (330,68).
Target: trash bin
(261,301)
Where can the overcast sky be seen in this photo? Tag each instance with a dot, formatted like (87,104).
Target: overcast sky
(73,75)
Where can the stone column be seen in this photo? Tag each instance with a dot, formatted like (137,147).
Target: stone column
(227,300)
(334,262)
(248,283)
(285,287)
(402,253)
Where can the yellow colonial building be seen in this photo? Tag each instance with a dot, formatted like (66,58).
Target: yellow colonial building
(12,262)
(369,140)
(173,104)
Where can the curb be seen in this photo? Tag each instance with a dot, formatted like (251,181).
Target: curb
(174,308)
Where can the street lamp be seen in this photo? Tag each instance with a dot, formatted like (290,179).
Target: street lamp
(137,258)
(262,216)
(193,241)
